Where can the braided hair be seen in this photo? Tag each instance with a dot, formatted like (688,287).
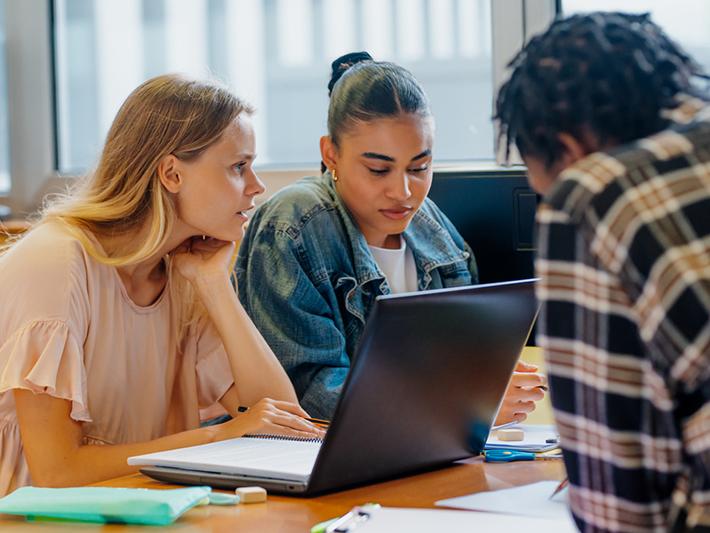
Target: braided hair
(362,90)
(605,74)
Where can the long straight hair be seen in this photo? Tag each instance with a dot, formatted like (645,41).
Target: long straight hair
(168,114)
(165,115)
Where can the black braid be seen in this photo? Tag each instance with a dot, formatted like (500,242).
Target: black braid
(608,74)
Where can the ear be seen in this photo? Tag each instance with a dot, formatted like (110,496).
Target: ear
(574,149)
(328,152)
(168,173)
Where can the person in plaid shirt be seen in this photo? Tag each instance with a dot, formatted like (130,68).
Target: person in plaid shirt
(608,115)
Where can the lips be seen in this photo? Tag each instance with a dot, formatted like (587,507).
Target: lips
(397,213)
(243,212)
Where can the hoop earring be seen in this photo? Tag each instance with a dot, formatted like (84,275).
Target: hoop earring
(335,177)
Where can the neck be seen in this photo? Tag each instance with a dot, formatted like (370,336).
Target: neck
(392,242)
(152,266)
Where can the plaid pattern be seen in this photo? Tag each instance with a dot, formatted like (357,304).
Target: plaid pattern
(624,262)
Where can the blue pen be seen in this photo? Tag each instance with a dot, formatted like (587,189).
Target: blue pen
(506,456)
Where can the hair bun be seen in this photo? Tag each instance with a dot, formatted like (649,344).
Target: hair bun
(342,64)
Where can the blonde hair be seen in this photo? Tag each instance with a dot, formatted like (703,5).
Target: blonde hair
(168,114)
(165,115)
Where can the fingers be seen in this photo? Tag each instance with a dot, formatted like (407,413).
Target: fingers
(514,411)
(289,407)
(285,414)
(523,366)
(517,394)
(524,407)
(523,379)
(506,416)
(294,422)
(520,417)
(275,429)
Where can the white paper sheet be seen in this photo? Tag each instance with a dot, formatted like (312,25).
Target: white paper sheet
(389,519)
(526,500)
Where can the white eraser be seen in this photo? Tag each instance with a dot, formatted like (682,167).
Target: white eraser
(510,434)
(251,494)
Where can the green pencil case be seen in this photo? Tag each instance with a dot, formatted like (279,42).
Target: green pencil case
(103,504)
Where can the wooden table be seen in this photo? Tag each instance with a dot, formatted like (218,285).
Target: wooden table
(285,514)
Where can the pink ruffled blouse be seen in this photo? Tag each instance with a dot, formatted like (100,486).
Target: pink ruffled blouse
(69,329)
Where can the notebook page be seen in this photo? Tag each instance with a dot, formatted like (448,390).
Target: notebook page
(388,519)
(282,459)
(527,500)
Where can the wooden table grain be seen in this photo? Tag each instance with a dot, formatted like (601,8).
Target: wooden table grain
(290,514)
(287,514)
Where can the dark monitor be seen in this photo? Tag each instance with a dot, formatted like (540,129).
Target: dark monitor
(495,214)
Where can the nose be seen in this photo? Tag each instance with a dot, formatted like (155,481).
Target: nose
(255,186)
(399,188)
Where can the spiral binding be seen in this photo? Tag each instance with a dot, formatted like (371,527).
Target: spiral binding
(270,436)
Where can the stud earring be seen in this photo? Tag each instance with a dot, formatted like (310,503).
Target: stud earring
(335,177)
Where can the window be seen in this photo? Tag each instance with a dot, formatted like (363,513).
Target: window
(276,54)
(686,21)
(4,128)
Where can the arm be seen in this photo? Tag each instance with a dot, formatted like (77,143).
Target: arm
(67,462)
(257,373)
(666,276)
(295,318)
(45,419)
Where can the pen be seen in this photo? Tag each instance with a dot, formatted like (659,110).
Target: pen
(559,488)
(507,456)
(317,421)
(347,521)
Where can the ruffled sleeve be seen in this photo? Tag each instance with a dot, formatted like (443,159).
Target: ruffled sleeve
(44,357)
(45,317)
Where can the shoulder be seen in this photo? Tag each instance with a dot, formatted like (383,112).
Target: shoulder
(608,183)
(432,211)
(434,217)
(295,208)
(49,248)
(45,276)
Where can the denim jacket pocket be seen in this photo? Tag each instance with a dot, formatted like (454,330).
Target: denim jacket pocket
(352,300)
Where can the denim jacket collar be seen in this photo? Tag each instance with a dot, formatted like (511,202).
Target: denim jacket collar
(431,245)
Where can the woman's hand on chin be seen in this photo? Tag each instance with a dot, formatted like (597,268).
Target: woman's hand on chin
(201,259)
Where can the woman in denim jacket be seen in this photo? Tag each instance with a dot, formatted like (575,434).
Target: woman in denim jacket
(317,254)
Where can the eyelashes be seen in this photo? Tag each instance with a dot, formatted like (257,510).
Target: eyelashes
(382,172)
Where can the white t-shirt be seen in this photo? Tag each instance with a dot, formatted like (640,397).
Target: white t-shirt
(398,267)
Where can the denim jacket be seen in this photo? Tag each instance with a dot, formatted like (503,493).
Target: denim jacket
(308,280)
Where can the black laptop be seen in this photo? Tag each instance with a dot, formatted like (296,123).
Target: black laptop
(422,392)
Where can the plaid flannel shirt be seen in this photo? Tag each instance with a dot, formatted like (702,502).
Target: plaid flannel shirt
(624,262)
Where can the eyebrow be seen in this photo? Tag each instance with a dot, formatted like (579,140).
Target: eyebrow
(383,157)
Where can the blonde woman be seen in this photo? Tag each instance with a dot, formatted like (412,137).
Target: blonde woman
(118,320)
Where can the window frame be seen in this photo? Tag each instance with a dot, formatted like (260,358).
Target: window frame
(32,96)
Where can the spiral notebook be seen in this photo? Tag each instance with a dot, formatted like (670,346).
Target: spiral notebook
(258,457)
